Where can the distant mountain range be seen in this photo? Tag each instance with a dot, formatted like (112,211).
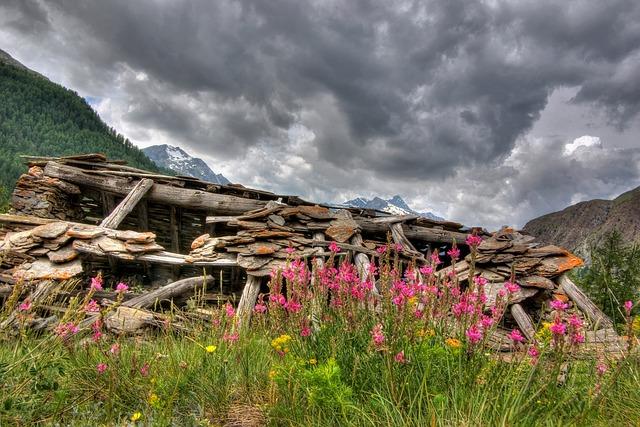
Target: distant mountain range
(180,162)
(395,206)
(583,224)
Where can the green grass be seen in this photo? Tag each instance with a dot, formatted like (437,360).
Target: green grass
(329,379)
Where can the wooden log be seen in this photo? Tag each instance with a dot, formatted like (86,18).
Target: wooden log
(394,219)
(414,232)
(143,216)
(128,204)
(524,321)
(161,193)
(362,263)
(599,319)
(399,238)
(248,299)
(166,292)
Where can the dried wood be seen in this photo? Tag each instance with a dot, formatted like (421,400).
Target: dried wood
(167,292)
(248,299)
(128,204)
(160,193)
(599,319)
(524,321)
(399,238)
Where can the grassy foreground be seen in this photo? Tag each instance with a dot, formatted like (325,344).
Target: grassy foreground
(414,359)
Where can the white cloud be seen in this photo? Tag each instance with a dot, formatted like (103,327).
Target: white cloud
(583,141)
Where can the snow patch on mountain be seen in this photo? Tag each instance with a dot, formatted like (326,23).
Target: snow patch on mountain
(177,160)
(395,206)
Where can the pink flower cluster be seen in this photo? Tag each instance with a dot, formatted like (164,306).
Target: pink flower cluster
(65,330)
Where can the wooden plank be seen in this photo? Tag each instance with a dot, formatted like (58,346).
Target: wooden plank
(524,321)
(414,232)
(174,229)
(127,205)
(167,292)
(248,299)
(399,238)
(193,199)
(600,320)
(143,216)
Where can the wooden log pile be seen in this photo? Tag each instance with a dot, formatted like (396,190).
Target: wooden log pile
(44,239)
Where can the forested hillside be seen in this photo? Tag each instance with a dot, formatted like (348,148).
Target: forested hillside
(39,117)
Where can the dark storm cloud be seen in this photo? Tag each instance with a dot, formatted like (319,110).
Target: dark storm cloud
(397,91)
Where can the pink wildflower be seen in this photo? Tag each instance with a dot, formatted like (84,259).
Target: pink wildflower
(511,287)
(480,281)
(289,250)
(486,321)
(377,335)
(101,367)
(25,306)
(400,357)
(577,338)
(516,336)
(96,283)
(260,308)
(559,305)
(426,270)
(601,369)
(398,247)
(381,249)
(230,337)
(115,349)
(435,257)
(628,305)
(92,307)
(144,369)
(558,328)
(474,334)
(454,253)
(575,321)
(533,352)
(64,330)
(122,288)
(333,247)
(305,332)
(97,332)
(229,310)
(473,240)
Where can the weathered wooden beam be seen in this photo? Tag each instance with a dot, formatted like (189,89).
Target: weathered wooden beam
(524,321)
(600,320)
(397,233)
(193,199)
(120,212)
(362,262)
(108,203)
(143,216)
(414,232)
(167,292)
(248,299)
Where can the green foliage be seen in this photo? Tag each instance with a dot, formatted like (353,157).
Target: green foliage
(41,118)
(614,275)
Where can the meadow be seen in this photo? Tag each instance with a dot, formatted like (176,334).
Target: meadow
(326,347)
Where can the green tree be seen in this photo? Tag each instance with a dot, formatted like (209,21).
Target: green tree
(614,275)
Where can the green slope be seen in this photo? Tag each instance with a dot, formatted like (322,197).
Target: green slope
(39,117)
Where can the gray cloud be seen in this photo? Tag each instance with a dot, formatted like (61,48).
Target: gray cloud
(400,96)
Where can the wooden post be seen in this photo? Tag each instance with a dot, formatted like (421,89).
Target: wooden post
(248,299)
(128,203)
(524,321)
(363,264)
(143,216)
(108,203)
(600,320)
(318,263)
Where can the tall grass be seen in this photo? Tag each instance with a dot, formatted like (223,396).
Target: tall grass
(322,350)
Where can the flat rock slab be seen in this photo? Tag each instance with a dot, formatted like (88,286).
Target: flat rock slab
(110,245)
(63,255)
(139,248)
(134,236)
(43,269)
(51,230)
(341,230)
(85,232)
(199,241)
(537,282)
(128,320)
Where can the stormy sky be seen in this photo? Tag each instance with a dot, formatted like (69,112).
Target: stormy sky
(488,113)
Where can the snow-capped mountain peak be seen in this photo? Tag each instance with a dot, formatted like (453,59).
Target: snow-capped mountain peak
(395,206)
(179,161)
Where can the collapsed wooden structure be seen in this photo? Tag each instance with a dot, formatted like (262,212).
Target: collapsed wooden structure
(76,216)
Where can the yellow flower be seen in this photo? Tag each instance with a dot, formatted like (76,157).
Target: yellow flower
(313,361)
(136,416)
(272,374)
(453,342)
(280,344)
(426,333)
(412,300)
(153,399)
(211,348)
